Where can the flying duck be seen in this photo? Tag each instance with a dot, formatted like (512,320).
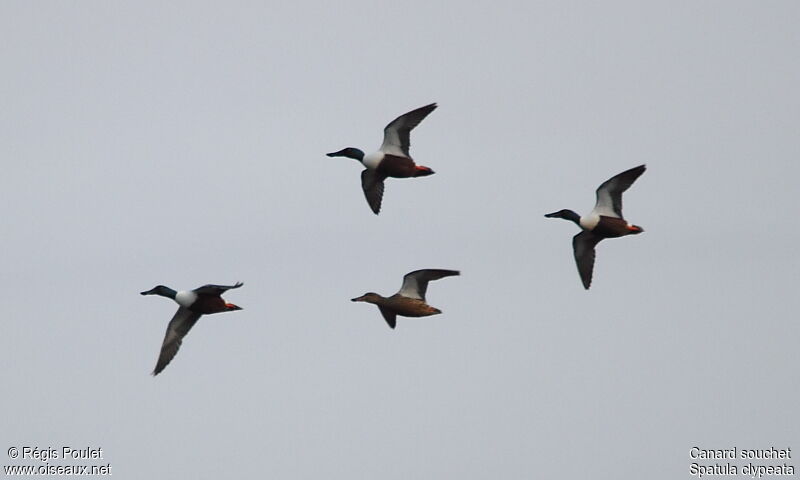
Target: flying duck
(605,221)
(392,159)
(193,304)
(410,300)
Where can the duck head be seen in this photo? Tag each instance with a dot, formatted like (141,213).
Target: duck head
(368,297)
(161,290)
(348,152)
(566,215)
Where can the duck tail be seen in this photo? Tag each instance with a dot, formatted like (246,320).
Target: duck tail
(421,171)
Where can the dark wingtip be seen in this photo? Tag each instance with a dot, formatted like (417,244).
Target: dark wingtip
(638,171)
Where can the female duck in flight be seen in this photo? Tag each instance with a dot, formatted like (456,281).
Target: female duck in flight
(410,300)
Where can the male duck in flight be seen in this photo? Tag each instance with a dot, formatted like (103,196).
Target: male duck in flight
(605,221)
(392,159)
(410,300)
(200,301)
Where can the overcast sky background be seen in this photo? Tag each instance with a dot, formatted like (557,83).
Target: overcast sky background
(183,144)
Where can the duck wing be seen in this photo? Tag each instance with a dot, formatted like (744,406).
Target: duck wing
(372,183)
(609,194)
(215,289)
(396,134)
(583,246)
(389,316)
(183,321)
(415,283)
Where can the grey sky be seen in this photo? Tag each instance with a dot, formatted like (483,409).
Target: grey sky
(183,144)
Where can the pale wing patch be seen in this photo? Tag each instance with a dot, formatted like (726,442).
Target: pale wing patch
(411,287)
(415,284)
(396,135)
(609,193)
(604,205)
(391,143)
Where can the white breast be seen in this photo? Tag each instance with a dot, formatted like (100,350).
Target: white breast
(372,160)
(185,299)
(588,222)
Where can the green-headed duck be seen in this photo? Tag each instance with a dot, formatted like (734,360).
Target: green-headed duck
(392,159)
(410,300)
(605,221)
(193,303)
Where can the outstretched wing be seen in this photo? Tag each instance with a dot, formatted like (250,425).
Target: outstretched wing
(372,183)
(609,194)
(215,289)
(183,321)
(583,246)
(389,316)
(415,283)
(396,134)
